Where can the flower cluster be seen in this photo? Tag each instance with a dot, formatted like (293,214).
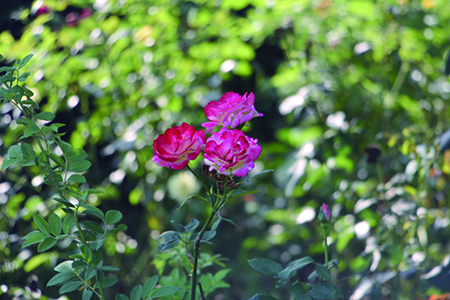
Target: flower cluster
(229,151)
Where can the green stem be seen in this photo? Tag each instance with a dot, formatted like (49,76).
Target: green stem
(325,244)
(200,179)
(100,288)
(196,253)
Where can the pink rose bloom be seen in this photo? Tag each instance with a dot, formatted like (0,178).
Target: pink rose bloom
(230,111)
(231,152)
(177,146)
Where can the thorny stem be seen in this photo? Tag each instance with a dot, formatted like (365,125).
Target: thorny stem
(197,253)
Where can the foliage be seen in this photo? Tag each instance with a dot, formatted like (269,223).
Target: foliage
(86,268)
(332,78)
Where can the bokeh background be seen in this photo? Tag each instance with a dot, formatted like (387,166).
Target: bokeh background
(354,99)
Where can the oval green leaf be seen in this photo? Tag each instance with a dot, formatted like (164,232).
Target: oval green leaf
(113,216)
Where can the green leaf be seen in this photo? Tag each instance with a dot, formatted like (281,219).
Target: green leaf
(77,178)
(58,160)
(216,224)
(7,78)
(7,69)
(66,148)
(62,277)
(280,283)
(113,216)
(24,76)
(77,154)
(323,272)
(95,245)
(79,265)
(8,162)
(85,251)
(87,294)
(266,266)
(97,259)
(33,237)
(65,266)
(15,152)
(136,293)
(70,287)
(41,224)
(64,201)
(228,220)
(312,277)
(165,291)
(29,131)
(79,165)
(26,163)
(171,239)
(93,211)
(192,225)
(254,175)
(261,297)
(122,297)
(93,226)
(19,91)
(178,226)
(322,291)
(110,269)
(89,273)
(8,95)
(299,291)
(55,224)
(184,202)
(46,116)
(47,243)
(294,266)
(337,291)
(24,121)
(208,235)
(149,286)
(30,93)
(27,151)
(23,62)
(109,281)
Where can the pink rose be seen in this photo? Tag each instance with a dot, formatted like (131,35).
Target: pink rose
(231,152)
(177,146)
(230,111)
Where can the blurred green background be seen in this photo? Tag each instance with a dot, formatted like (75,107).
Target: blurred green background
(337,81)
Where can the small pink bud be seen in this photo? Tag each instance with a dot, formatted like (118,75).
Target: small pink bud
(325,209)
(324,216)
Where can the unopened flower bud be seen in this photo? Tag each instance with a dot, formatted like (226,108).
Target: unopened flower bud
(324,215)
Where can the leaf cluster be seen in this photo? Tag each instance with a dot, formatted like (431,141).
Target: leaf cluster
(323,289)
